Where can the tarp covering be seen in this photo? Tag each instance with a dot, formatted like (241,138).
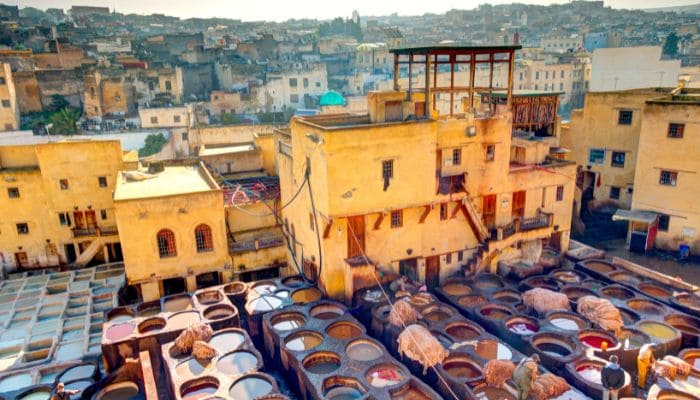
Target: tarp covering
(543,300)
(415,338)
(601,312)
(646,217)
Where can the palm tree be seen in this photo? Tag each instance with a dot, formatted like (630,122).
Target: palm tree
(64,121)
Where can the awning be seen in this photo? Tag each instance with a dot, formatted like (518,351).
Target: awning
(646,217)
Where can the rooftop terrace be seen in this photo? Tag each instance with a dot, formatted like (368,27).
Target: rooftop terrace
(172,181)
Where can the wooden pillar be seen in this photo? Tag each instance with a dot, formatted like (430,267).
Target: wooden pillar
(435,72)
(511,65)
(452,82)
(396,71)
(472,71)
(427,85)
(410,73)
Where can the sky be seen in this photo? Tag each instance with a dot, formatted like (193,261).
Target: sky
(281,10)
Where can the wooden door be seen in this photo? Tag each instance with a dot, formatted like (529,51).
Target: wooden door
(409,268)
(22,259)
(356,235)
(393,111)
(90,219)
(419,109)
(489,210)
(79,220)
(519,204)
(432,271)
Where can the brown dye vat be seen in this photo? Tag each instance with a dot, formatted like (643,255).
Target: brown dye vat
(456,289)
(421,299)
(119,331)
(554,345)
(385,375)
(629,317)
(363,350)
(494,311)
(462,367)
(575,292)
(617,293)
(645,306)
(462,331)
(322,362)
(191,367)
(492,350)
(326,311)
(183,320)
(342,388)
(237,362)
(302,341)
(151,325)
(293,281)
(303,296)
(344,330)
(472,300)
(488,281)
(626,278)
(219,311)
(148,309)
(118,391)
(199,388)
(684,323)
(209,297)
(178,303)
(543,282)
(437,313)
(250,387)
(491,393)
(567,276)
(120,315)
(522,325)
(653,290)
(689,300)
(288,321)
(409,391)
(592,284)
(601,267)
(674,395)
(508,296)
(235,288)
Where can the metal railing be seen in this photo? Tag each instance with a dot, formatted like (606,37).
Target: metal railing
(255,244)
(542,220)
(94,231)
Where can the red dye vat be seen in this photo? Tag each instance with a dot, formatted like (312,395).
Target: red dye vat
(595,342)
(119,331)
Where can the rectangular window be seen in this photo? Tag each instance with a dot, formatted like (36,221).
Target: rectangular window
(596,156)
(154,120)
(13,193)
(490,152)
(63,183)
(560,193)
(168,86)
(22,229)
(397,219)
(521,76)
(460,256)
(537,75)
(64,219)
(561,86)
(184,136)
(293,82)
(443,211)
(676,130)
(294,98)
(664,220)
(103,214)
(624,117)
(448,258)
(2,81)
(102,181)
(388,169)
(456,156)
(668,178)
(318,84)
(615,192)
(618,159)
(176,119)
(6,103)
(561,74)
(306,82)
(546,75)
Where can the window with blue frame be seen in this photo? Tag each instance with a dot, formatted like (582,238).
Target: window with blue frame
(596,156)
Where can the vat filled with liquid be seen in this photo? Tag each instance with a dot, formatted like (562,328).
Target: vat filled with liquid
(363,350)
(179,302)
(658,330)
(219,311)
(199,388)
(302,341)
(522,325)
(566,321)
(238,362)
(385,375)
(226,341)
(617,293)
(208,297)
(326,311)
(495,311)
(597,339)
(461,331)
(288,321)
(251,387)
(303,296)
(456,289)
(321,363)
(489,349)
(183,320)
(342,388)
(120,391)
(344,330)
(645,306)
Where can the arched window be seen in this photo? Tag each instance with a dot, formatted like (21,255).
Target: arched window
(202,235)
(166,243)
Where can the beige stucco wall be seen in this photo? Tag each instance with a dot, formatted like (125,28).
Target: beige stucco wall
(165,117)
(9,112)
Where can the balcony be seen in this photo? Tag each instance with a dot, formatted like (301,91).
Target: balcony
(94,231)
(542,220)
(255,244)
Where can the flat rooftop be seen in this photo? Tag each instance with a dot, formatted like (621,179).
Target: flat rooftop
(176,180)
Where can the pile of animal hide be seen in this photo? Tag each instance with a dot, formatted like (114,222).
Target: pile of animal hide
(416,337)
(601,312)
(543,300)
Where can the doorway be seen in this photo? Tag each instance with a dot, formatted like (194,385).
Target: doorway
(79,220)
(432,271)
(409,268)
(90,220)
(208,279)
(587,191)
(489,211)
(174,286)
(518,204)
(71,256)
(22,260)
(356,236)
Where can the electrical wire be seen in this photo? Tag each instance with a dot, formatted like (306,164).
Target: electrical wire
(391,304)
(318,235)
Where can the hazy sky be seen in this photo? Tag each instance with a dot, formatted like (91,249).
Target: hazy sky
(280,10)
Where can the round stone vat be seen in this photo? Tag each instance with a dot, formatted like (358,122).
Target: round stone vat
(182,320)
(384,375)
(119,331)
(344,330)
(472,300)
(327,311)
(691,356)
(456,288)
(617,293)
(225,341)
(576,292)
(235,289)
(543,282)
(36,393)
(79,385)
(626,278)
(238,362)
(669,394)
(303,296)
(462,368)
(566,321)
(148,309)
(489,393)
(689,301)
(293,281)
(342,388)
(263,288)
(629,317)
(495,311)
(507,296)
(191,367)
(209,297)
(645,306)
(589,371)
(380,319)
(303,340)
(490,349)
(151,325)
(14,382)
(120,314)
(81,371)
(592,284)
(488,282)
(569,277)
(666,337)
(411,390)
(522,325)
(597,339)
(585,374)
(178,302)
(421,299)
(219,311)
(118,391)
(321,363)
(287,321)
(555,349)
(252,386)
(363,350)
(461,331)
(199,388)
(444,340)
(437,313)
(631,340)
(600,267)
(264,304)
(688,326)
(653,290)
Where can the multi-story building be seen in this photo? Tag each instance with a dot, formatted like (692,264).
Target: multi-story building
(547,76)
(612,68)
(291,86)
(56,201)
(561,43)
(406,190)
(9,109)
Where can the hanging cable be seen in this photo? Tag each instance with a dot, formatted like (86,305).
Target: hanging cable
(313,211)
